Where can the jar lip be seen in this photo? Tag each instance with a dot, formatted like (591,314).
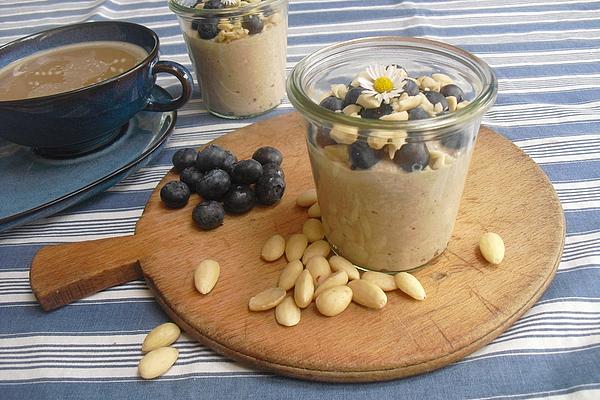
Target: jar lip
(190,12)
(424,127)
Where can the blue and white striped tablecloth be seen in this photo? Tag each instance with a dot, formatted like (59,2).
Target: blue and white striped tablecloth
(547,57)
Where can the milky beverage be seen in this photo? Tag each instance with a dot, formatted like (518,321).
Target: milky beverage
(66,68)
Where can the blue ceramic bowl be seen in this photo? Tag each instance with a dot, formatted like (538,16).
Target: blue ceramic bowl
(79,121)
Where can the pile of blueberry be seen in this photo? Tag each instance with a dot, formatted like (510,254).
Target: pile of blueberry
(208,28)
(224,183)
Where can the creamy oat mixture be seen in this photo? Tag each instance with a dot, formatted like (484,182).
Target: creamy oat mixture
(388,200)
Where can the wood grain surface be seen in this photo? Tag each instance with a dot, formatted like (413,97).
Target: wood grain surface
(469,302)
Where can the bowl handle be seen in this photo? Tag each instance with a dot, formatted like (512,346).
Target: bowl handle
(64,273)
(187,86)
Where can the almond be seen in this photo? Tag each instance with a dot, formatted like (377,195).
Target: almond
(339,263)
(287,313)
(157,362)
(206,276)
(273,248)
(161,336)
(295,246)
(266,299)
(410,285)
(289,274)
(492,247)
(304,289)
(307,199)
(384,281)
(334,300)
(368,294)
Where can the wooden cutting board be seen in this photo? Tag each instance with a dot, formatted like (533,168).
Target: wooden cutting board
(469,302)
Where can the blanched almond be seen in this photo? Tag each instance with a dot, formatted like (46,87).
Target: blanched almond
(319,269)
(339,263)
(334,300)
(289,274)
(335,279)
(157,362)
(410,285)
(313,230)
(273,248)
(304,289)
(491,246)
(307,199)
(287,313)
(384,281)
(314,211)
(367,294)
(266,299)
(318,248)
(206,276)
(295,246)
(161,336)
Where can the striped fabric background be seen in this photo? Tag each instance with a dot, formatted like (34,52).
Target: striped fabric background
(547,57)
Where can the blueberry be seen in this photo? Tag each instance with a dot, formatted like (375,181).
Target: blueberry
(246,171)
(214,185)
(184,158)
(272,169)
(195,24)
(268,154)
(322,137)
(212,157)
(190,176)
(412,156)
(228,162)
(175,194)
(208,214)
(269,189)
(417,113)
(362,156)
(435,97)
(453,90)
(253,23)
(239,199)
(208,29)
(455,141)
(376,113)
(213,5)
(352,96)
(332,103)
(410,87)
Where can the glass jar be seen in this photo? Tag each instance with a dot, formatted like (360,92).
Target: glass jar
(399,213)
(238,53)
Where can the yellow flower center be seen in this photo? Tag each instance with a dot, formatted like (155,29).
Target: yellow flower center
(383,84)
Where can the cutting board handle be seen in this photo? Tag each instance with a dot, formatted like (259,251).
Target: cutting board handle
(64,273)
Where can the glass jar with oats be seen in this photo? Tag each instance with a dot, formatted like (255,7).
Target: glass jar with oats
(391,123)
(238,50)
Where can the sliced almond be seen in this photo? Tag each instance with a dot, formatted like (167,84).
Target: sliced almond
(206,276)
(313,230)
(344,134)
(335,279)
(368,294)
(339,90)
(452,103)
(295,246)
(384,281)
(266,299)
(339,263)
(491,246)
(161,336)
(443,79)
(314,211)
(410,285)
(368,101)
(334,300)
(318,248)
(395,116)
(408,104)
(157,362)
(287,313)
(318,267)
(307,198)
(304,289)
(289,274)
(352,109)
(273,248)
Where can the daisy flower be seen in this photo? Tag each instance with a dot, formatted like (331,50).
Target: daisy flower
(230,3)
(383,83)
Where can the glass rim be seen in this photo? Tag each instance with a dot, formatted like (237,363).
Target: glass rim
(420,128)
(191,12)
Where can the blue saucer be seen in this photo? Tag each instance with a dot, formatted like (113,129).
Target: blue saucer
(35,187)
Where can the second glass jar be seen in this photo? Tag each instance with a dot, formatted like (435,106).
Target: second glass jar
(238,51)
